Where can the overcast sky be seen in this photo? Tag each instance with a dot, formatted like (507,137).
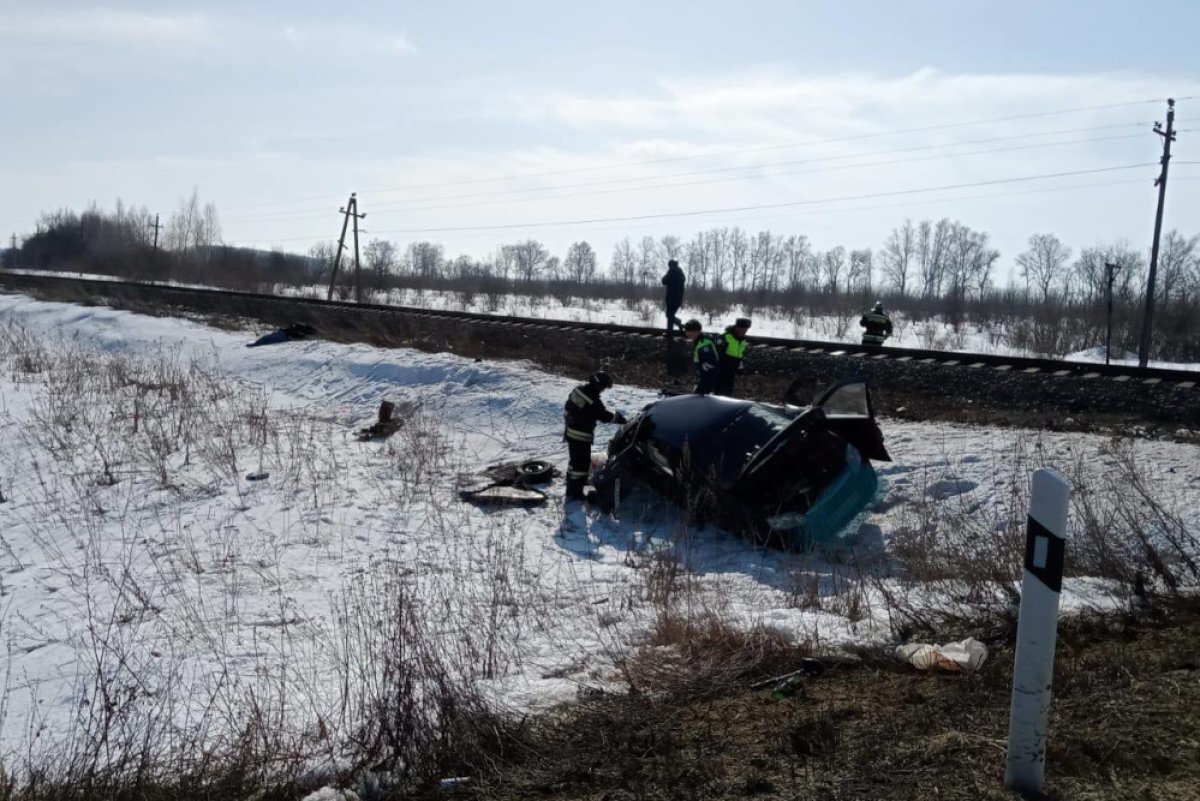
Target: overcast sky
(516,115)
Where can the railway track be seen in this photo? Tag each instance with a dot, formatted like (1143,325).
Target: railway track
(1003,382)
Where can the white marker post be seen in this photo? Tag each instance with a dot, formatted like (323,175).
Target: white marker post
(1037,629)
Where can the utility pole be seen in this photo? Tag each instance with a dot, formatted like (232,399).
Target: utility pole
(1168,136)
(357,271)
(155,226)
(1110,274)
(347,211)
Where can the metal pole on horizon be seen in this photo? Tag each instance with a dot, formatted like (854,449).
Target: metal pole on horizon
(1037,630)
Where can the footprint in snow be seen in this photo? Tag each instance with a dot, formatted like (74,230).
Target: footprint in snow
(947,488)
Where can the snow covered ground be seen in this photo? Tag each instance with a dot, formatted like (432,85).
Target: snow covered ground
(132,543)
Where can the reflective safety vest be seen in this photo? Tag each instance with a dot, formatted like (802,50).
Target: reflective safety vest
(735,348)
(702,342)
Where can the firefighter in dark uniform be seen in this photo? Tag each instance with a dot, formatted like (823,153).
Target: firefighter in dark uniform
(877,324)
(704,355)
(732,346)
(581,412)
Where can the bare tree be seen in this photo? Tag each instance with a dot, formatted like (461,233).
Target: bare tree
(670,247)
(380,257)
(799,262)
(1089,276)
(624,262)
(833,264)
(648,268)
(322,255)
(528,259)
(1043,266)
(897,256)
(193,228)
(716,243)
(739,258)
(1177,265)
(933,241)
(858,274)
(766,261)
(580,264)
(698,262)
(425,259)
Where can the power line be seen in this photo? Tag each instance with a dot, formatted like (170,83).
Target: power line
(738,151)
(788,204)
(754,169)
(842,210)
(809,171)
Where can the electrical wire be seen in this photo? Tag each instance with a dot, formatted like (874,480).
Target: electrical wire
(815,212)
(738,151)
(787,204)
(755,170)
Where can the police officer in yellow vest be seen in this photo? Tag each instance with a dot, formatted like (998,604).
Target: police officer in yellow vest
(581,412)
(704,356)
(877,324)
(732,346)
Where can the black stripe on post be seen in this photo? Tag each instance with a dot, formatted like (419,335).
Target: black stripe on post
(1044,553)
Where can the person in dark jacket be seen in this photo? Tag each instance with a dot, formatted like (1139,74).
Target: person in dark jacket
(704,355)
(732,348)
(581,412)
(877,324)
(673,281)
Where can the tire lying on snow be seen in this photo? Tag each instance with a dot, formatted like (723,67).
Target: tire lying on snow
(535,471)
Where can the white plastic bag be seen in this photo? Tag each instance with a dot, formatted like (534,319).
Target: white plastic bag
(964,656)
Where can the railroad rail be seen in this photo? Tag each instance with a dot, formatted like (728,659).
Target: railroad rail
(1150,376)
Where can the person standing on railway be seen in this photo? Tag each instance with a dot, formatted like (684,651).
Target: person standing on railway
(704,355)
(732,349)
(673,281)
(877,324)
(581,412)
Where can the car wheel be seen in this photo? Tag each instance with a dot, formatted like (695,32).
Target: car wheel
(535,471)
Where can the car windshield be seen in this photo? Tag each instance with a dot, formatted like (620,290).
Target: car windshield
(849,400)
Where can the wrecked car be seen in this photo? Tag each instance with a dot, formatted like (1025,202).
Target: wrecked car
(785,475)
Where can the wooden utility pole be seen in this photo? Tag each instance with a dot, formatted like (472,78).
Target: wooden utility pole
(1111,273)
(1168,136)
(347,211)
(357,269)
(155,226)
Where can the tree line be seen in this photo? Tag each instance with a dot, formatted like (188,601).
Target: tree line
(929,267)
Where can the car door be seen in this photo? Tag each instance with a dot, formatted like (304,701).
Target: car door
(850,415)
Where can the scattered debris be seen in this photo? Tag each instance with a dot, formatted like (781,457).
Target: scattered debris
(789,684)
(508,483)
(453,783)
(385,426)
(964,656)
(287,334)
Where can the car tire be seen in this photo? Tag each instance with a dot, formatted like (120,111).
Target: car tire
(535,471)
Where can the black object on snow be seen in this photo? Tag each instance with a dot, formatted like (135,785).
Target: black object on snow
(508,483)
(287,334)
(385,426)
